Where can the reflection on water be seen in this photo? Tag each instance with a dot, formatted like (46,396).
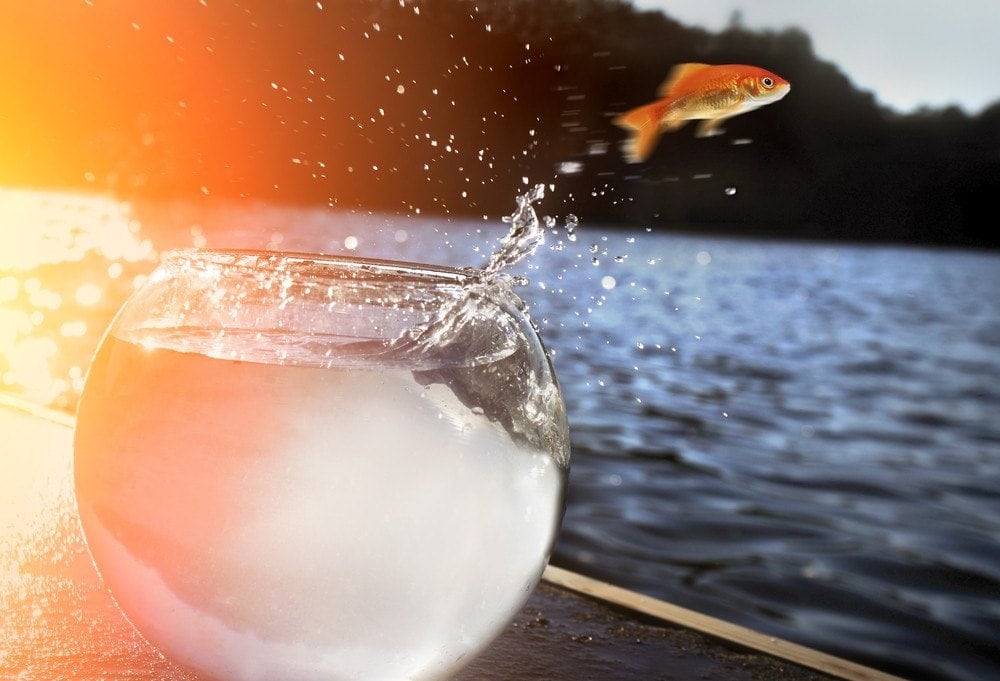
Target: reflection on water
(66,263)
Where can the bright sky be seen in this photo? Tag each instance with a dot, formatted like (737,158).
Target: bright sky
(908,52)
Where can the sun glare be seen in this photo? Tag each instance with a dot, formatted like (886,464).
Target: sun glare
(67,262)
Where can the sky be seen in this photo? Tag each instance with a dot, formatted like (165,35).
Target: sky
(909,53)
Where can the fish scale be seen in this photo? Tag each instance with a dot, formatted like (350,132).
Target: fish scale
(723,96)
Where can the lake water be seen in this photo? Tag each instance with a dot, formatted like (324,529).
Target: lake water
(800,438)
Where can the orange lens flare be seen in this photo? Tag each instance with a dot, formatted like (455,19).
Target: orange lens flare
(57,253)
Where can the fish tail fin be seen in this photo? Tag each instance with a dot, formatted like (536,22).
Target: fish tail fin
(643,124)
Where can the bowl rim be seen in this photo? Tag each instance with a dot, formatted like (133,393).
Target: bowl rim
(306,266)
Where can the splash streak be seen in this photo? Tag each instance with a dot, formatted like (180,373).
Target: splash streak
(526,234)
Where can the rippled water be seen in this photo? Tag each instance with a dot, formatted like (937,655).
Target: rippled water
(815,452)
(801,438)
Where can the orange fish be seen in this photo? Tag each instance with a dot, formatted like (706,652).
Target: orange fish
(702,92)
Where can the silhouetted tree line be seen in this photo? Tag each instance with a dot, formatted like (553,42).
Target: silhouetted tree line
(446,106)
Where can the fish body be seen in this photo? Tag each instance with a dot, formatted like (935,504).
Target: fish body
(709,93)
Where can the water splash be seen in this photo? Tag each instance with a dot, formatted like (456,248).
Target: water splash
(526,234)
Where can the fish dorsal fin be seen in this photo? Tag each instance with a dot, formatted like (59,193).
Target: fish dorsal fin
(677,73)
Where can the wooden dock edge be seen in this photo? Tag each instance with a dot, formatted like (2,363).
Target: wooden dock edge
(19,404)
(720,629)
(621,597)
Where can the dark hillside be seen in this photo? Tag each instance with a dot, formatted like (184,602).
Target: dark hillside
(445,106)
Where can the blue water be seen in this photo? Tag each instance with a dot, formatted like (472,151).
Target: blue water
(800,438)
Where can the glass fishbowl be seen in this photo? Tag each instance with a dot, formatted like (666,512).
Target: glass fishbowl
(291,466)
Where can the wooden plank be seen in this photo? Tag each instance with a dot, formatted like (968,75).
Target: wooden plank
(13,402)
(733,633)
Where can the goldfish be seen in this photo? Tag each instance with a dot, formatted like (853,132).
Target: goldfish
(709,93)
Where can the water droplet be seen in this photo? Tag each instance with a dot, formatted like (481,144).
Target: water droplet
(572,222)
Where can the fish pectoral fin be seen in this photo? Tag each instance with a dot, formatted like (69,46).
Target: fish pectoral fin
(710,127)
(676,73)
(672,124)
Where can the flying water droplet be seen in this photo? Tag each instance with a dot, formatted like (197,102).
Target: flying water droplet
(571,224)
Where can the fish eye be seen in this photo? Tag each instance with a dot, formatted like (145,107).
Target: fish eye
(767,82)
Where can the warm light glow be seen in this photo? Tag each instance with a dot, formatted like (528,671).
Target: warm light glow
(88,294)
(50,228)
(8,289)
(62,261)
(29,368)
(75,329)
(37,512)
